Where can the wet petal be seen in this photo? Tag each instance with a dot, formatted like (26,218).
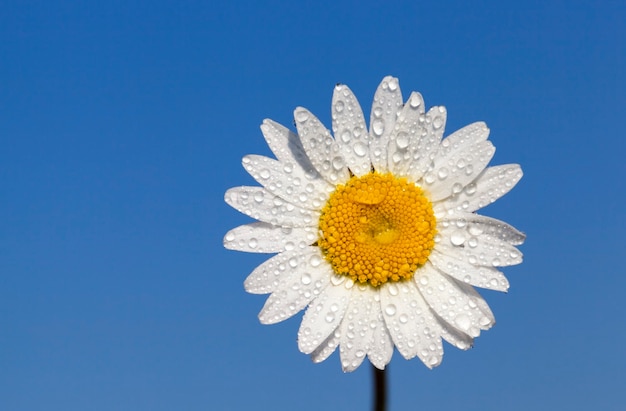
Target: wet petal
(286,145)
(479,225)
(453,171)
(262,205)
(385,108)
(262,237)
(322,150)
(483,277)
(492,184)
(381,347)
(322,317)
(356,334)
(451,301)
(327,347)
(289,181)
(304,280)
(350,131)
(410,322)
(266,277)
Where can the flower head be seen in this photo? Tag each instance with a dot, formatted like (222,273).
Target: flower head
(376,231)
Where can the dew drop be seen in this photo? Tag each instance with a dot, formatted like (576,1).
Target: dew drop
(360,149)
(393,289)
(315,261)
(230,237)
(437,122)
(302,116)
(393,84)
(378,126)
(415,101)
(402,141)
(330,317)
(390,309)
(293,262)
(253,243)
(339,106)
(404,318)
(306,278)
(457,238)
(265,173)
(346,136)
(442,173)
(338,163)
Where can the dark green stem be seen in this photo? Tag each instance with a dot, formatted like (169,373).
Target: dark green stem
(380,389)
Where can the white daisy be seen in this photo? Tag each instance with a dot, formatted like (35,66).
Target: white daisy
(376,232)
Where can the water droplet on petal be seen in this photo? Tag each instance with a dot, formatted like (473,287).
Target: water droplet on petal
(402,140)
(339,106)
(378,126)
(463,322)
(457,238)
(390,309)
(306,278)
(302,116)
(338,163)
(360,149)
(253,243)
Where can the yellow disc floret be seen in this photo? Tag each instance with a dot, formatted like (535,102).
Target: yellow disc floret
(377,228)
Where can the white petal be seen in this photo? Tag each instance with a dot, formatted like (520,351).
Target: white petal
(451,301)
(262,237)
(356,334)
(327,347)
(265,278)
(350,131)
(305,278)
(424,132)
(489,319)
(381,346)
(492,184)
(322,150)
(405,141)
(467,136)
(456,169)
(477,249)
(322,317)
(483,277)
(453,336)
(385,108)
(261,205)
(410,322)
(478,225)
(286,145)
(289,181)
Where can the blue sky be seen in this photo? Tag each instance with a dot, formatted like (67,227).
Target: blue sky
(122,123)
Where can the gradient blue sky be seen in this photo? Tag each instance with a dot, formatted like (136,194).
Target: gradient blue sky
(122,123)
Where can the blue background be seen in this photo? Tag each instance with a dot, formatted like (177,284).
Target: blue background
(122,123)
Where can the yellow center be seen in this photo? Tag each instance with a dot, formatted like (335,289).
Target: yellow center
(377,228)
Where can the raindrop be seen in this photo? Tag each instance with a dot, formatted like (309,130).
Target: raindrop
(402,141)
(470,188)
(346,136)
(302,116)
(378,126)
(230,237)
(315,260)
(265,173)
(393,84)
(442,173)
(360,149)
(330,317)
(404,318)
(339,106)
(253,243)
(293,262)
(437,122)
(338,163)
(415,101)
(390,309)
(306,279)
(457,238)
(393,289)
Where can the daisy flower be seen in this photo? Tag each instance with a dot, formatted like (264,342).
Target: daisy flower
(376,231)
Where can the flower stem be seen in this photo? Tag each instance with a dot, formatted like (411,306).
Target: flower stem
(380,389)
